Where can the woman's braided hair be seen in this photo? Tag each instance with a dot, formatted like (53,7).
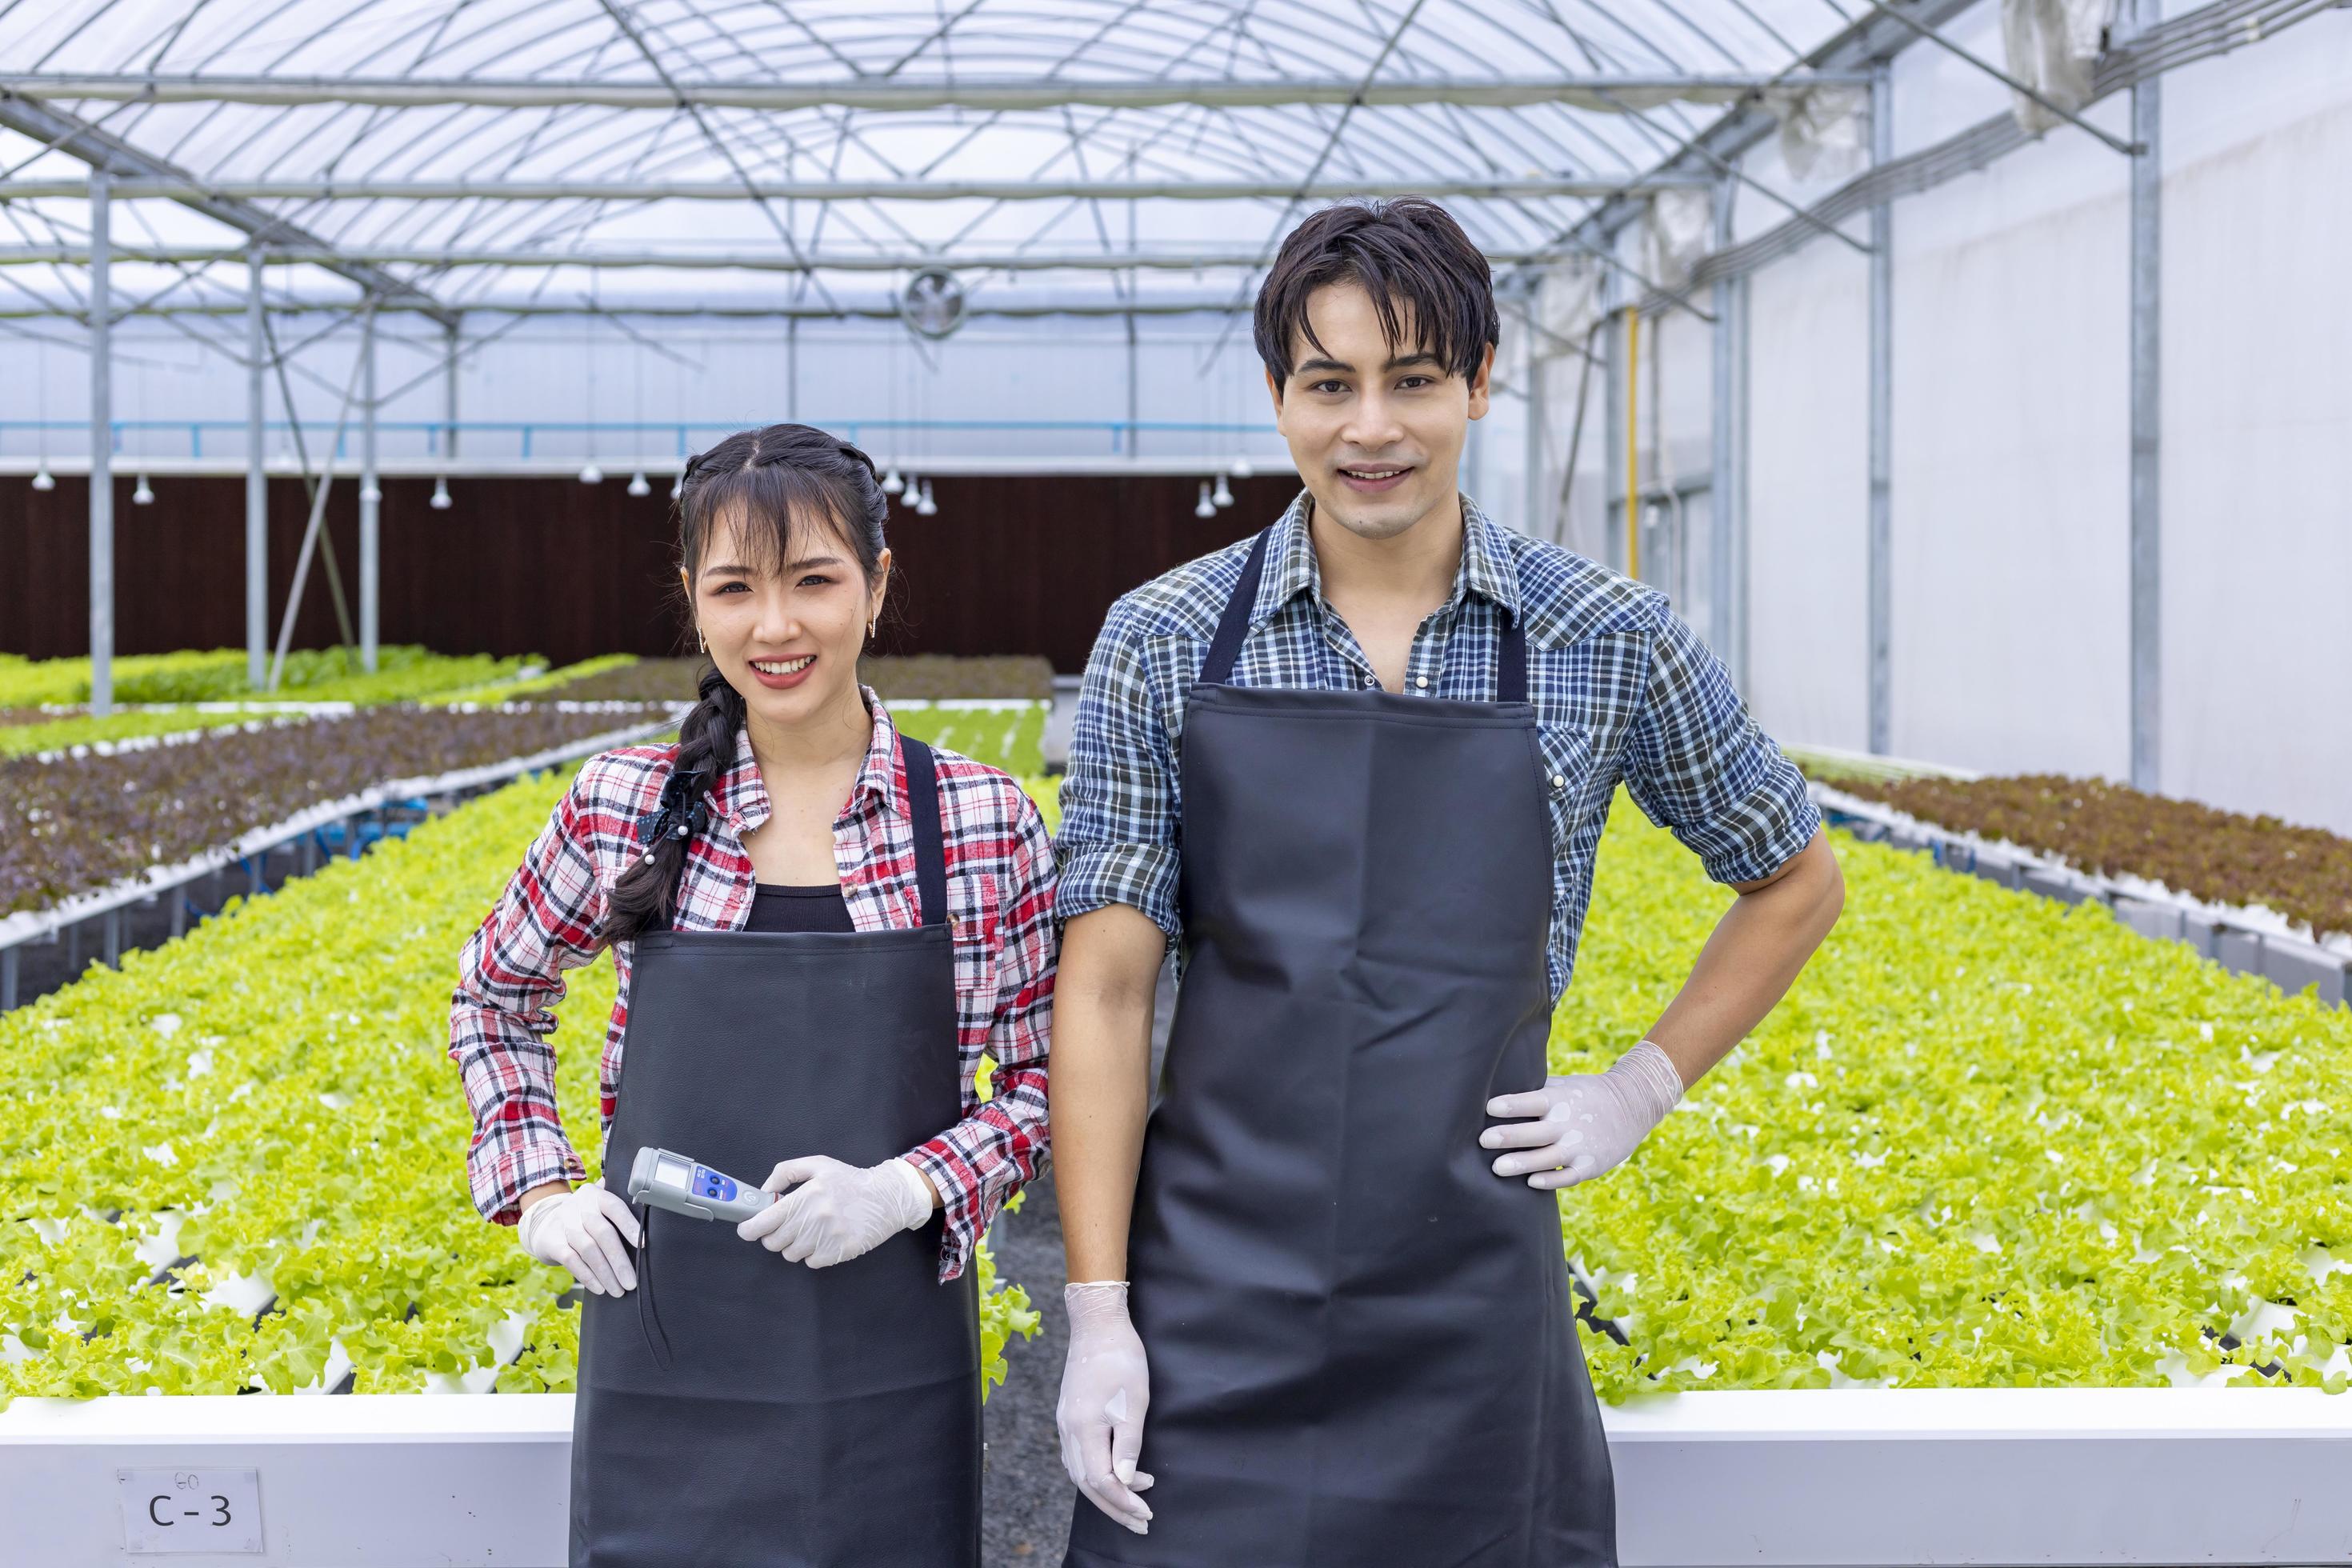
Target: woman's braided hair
(771,486)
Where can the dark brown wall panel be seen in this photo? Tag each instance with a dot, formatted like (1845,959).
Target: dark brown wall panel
(1031,565)
(1010,564)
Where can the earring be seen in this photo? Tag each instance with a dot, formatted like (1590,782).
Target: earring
(699,646)
(869,631)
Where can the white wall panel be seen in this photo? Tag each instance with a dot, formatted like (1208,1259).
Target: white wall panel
(2010,528)
(1809,453)
(2258,429)
(2012,511)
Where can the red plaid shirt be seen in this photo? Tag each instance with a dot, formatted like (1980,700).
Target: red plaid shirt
(1000,867)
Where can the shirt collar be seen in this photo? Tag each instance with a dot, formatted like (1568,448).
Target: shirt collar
(742,797)
(1292,569)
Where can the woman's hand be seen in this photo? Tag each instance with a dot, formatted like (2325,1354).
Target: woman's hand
(582,1230)
(838,1211)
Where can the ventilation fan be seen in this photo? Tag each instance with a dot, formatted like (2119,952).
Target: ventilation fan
(932,302)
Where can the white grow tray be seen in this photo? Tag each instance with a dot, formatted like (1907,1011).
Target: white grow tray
(1813,1477)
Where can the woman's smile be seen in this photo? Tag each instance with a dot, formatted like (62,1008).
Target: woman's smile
(782,674)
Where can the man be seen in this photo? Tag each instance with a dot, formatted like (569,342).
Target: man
(1357,768)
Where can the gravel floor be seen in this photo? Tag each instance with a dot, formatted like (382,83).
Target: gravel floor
(1026,1495)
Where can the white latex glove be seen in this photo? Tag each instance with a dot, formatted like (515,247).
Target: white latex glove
(1585,1123)
(837,1211)
(582,1230)
(1105,1386)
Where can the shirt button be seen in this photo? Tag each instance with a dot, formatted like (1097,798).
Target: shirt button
(1372,680)
(1422,681)
(1559,781)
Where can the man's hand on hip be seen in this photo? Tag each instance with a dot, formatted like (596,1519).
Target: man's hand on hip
(1583,1124)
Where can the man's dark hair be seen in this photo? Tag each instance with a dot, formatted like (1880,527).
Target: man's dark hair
(1410,256)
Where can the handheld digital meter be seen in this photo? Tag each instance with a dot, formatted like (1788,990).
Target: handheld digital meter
(681,1186)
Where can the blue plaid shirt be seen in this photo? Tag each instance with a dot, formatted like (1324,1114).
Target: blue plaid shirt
(1624,693)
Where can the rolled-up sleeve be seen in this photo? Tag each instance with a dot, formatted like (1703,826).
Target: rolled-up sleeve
(1002,1141)
(1119,805)
(1698,764)
(548,919)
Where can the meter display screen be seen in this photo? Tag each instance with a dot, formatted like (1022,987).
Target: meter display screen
(668,1180)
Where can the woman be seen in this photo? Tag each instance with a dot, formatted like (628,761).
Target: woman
(819,926)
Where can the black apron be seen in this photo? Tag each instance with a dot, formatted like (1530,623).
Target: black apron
(736,1408)
(1362,1341)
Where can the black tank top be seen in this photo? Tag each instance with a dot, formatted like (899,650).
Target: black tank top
(776,906)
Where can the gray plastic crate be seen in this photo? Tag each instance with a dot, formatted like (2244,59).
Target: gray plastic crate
(2057,884)
(1993,867)
(2150,920)
(2291,968)
(2239,950)
(2200,933)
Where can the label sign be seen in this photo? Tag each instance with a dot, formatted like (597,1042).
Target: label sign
(184,1509)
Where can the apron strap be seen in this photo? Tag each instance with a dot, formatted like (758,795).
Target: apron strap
(1232,628)
(930,846)
(1511,660)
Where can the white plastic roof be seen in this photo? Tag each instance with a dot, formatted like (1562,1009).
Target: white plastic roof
(657,94)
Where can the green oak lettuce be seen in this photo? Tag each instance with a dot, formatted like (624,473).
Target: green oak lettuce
(268,1102)
(1987,1141)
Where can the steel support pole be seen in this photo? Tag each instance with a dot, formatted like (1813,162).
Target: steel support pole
(1742,405)
(371,505)
(1723,494)
(450,393)
(2146,426)
(1473,478)
(1134,345)
(101,454)
(1536,523)
(1882,397)
(1134,394)
(1633,440)
(256,484)
(1612,477)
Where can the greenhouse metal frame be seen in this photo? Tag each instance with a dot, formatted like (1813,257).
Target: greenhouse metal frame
(465,169)
(313,159)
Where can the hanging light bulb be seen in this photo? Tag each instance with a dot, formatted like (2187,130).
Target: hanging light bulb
(926,507)
(891,483)
(1242,468)
(440,501)
(1224,494)
(1207,507)
(591,474)
(144,495)
(637,485)
(370,492)
(42,479)
(914,492)
(678,485)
